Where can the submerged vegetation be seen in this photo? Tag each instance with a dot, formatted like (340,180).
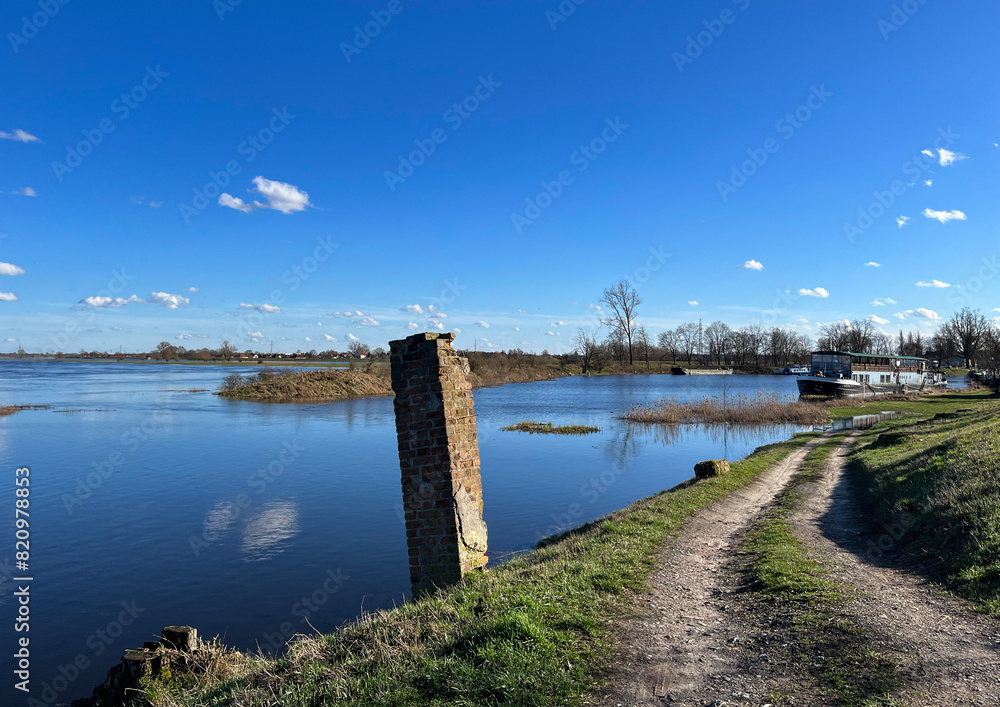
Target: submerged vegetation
(531,631)
(742,409)
(548,429)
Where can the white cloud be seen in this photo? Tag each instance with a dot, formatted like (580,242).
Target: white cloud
(10,269)
(693,302)
(168,300)
(352,337)
(155,204)
(595,307)
(550,333)
(890,300)
(8,297)
(234,202)
(255,335)
(815,292)
(107,302)
(26,191)
(926,313)
(184,337)
(482,325)
(557,324)
(193,289)
(412,325)
(329,338)
(264,308)
(370,321)
(901,221)
(873,264)
(928,182)
(437,324)
(933,283)
(436,312)
(521,311)
(18,135)
(412,309)
(878,320)
(457,331)
(281,196)
(929,153)
(309,339)
(753,265)
(947,157)
(945,216)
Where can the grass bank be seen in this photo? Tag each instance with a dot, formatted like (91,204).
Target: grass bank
(533,631)
(795,603)
(934,483)
(547,428)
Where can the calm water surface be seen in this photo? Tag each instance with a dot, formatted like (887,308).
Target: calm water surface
(232,516)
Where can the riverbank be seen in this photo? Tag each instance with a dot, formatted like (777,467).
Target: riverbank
(545,628)
(536,630)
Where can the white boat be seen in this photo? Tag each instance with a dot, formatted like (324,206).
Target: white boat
(837,373)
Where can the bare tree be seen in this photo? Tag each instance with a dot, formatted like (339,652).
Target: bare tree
(966,329)
(642,340)
(990,357)
(227,350)
(586,346)
(166,350)
(668,342)
(357,349)
(623,300)
(718,335)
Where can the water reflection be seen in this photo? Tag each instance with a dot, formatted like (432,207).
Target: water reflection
(265,533)
(719,435)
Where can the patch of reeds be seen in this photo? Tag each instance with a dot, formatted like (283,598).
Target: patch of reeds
(741,409)
(11,409)
(547,428)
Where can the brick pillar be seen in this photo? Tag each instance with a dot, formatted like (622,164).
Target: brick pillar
(439,460)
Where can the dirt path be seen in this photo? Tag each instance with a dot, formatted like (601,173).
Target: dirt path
(680,650)
(949,653)
(695,644)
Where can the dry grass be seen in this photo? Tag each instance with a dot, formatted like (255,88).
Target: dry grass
(500,368)
(11,409)
(741,409)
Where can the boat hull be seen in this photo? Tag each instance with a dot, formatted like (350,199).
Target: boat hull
(827,387)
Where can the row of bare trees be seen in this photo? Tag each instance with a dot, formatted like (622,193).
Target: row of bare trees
(967,335)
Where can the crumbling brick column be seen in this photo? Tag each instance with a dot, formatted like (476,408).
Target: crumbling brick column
(439,460)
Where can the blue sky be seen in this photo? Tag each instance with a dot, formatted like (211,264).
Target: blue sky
(383,164)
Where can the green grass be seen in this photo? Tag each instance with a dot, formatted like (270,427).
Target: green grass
(533,631)
(937,487)
(923,405)
(798,603)
(548,429)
